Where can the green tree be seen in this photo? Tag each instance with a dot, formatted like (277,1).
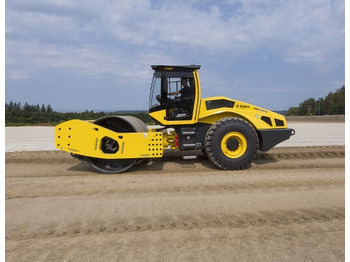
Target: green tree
(293,111)
(49,108)
(335,102)
(332,104)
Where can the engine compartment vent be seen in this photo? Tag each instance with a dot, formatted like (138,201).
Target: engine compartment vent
(267,120)
(279,122)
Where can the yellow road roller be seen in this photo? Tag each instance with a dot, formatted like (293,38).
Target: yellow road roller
(229,132)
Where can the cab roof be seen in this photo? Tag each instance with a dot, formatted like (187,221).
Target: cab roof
(175,67)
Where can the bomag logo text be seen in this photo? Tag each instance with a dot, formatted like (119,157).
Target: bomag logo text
(242,106)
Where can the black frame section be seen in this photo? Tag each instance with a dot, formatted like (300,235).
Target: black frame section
(192,137)
(175,67)
(270,137)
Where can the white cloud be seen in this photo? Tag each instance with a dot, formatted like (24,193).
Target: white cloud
(97,37)
(86,60)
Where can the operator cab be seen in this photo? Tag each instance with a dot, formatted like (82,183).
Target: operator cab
(174,93)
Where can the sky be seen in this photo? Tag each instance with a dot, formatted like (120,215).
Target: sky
(97,55)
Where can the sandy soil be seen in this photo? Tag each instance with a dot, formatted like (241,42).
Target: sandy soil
(289,206)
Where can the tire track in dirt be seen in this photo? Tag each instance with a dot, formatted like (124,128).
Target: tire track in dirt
(61,216)
(244,220)
(34,164)
(53,198)
(41,157)
(178,168)
(297,242)
(89,189)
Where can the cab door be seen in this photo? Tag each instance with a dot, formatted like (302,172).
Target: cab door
(174,98)
(180,97)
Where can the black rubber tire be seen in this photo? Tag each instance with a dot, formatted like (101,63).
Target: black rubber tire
(214,139)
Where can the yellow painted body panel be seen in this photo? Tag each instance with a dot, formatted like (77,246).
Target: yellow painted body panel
(84,138)
(248,112)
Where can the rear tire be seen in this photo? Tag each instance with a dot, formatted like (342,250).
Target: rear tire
(231,144)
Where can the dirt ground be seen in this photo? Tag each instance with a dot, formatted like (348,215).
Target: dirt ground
(289,206)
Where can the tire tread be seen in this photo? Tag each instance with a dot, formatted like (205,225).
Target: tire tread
(211,147)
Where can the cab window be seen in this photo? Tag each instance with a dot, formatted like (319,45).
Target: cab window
(180,98)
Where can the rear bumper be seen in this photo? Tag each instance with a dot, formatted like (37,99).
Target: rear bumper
(271,137)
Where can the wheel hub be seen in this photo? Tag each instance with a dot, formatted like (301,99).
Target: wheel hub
(109,145)
(232,144)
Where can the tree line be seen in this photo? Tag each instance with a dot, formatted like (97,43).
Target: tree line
(332,104)
(17,115)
